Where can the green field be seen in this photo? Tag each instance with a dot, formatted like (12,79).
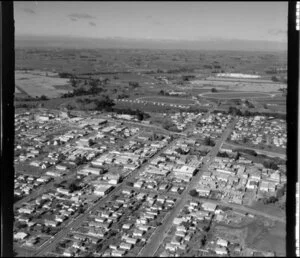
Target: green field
(37,84)
(234,95)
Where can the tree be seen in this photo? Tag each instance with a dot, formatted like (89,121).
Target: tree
(180,151)
(43,97)
(140,116)
(206,228)
(122,96)
(194,193)
(94,83)
(237,156)
(250,105)
(203,241)
(208,141)
(162,92)
(234,111)
(274,79)
(223,154)
(271,199)
(69,107)
(245,139)
(73,81)
(133,84)
(104,103)
(281,191)
(167,124)
(80,210)
(73,187)
(214,90)
(270,164)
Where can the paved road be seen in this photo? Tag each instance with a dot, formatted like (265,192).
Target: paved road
(42,189)
(259,151)
(71,175)
(150,126)
(76,222)
(157,238)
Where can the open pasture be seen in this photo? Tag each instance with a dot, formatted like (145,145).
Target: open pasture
(235,95)
(264,237)
(36,84)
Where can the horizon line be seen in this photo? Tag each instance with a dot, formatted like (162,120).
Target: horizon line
(150,39)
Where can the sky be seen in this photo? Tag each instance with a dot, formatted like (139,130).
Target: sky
(154,20)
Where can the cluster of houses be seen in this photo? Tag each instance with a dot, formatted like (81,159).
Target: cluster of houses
(88,142)
(87,139)
(158,183)
(24,184)
(182,119)
(50,210)
(191,226)
(133,216)
(131,155)
(213,125)
(177,161)
(230,180)
(260,130)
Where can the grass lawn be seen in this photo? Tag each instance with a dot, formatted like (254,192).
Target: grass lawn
(268,238)
(269,209)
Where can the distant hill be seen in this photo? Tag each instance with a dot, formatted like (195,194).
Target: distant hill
(25,41)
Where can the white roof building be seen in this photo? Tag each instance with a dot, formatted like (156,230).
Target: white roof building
(208,206)
(20,235)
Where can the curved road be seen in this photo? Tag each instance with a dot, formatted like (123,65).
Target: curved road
(239,93)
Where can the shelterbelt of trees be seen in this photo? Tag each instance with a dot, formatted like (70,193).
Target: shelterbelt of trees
(237,112)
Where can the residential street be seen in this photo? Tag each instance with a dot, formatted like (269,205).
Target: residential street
(158,237)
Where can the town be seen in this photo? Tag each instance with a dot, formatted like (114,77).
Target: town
(99,184)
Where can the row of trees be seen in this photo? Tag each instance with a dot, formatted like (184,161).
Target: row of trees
(170,126)
(209,142)
(138,113)
(134,84)
(93,90)
(104,102)
(163,93)
(237,112)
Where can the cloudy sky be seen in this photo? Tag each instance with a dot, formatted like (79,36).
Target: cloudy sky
(154,20)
